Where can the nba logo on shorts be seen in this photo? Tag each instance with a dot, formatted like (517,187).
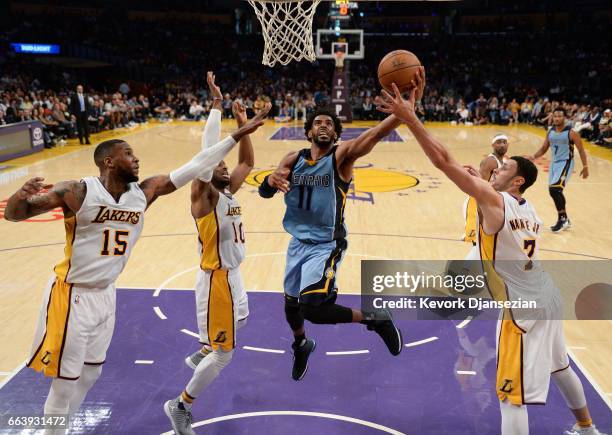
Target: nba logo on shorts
(76,299)
(329,273)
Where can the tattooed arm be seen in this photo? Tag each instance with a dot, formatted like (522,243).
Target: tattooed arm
(29,201)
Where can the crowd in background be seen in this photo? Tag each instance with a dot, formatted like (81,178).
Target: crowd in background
(158,72)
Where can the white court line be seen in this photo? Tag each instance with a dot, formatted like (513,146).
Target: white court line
(379,427)
(348,352)
(176,275)
(162,286)
(12,374)
(188,332)
(262,349)
(587,375)
(5,373)
(143,361)
(465,322)
(577,347)
(159,313)
(466,372)
(417,343)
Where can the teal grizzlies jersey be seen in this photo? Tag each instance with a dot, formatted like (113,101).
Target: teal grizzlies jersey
(316,199)
(561,146)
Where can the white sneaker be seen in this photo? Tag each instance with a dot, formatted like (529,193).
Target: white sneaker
(577,430)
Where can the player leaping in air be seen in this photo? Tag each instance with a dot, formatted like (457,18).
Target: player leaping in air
(315,182)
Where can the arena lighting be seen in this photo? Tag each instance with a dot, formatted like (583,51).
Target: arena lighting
(27,47)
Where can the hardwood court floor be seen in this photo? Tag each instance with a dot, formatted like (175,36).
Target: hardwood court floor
(401,208)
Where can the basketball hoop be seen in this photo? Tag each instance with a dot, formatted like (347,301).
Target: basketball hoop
(287,29)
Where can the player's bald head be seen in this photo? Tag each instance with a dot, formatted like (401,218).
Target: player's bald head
(105,149)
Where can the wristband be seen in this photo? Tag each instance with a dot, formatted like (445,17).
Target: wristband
(265,190)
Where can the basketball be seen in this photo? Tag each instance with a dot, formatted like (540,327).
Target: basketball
(399,67)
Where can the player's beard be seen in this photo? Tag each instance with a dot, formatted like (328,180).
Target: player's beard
(127,176)
(322,143)
(220,183)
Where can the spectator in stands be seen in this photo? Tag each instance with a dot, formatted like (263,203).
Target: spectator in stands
(505,115)
(58,114)
(367,108)
(196,111)
(514,107)
(226,105)
(493,112)
(80,108)
(164,112)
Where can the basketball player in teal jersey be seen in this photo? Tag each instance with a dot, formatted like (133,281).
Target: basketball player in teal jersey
(561,140)
(315,182)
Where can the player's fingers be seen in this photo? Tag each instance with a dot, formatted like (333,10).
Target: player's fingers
(386,95)
(396,91)
(384,109)
(413,94)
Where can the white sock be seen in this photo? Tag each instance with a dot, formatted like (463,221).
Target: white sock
(514,419)
(206,372)
(89,376)
(571,388)
(58,400)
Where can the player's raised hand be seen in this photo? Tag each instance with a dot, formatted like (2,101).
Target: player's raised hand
(33,187)
(278,180)
(239,112)
(215,91)
(395,104)
(585,172)
(253,124)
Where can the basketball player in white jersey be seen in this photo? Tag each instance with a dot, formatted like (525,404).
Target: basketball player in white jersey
(487,165)
(529,349)
(221,301)
(103,217)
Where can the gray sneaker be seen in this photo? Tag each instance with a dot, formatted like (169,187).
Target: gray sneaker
(195,358)
(179,416)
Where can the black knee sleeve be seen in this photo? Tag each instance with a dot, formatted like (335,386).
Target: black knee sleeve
(556,194)
(327,314)
(292,313)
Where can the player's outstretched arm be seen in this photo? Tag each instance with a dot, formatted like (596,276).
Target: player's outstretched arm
(351,150)
(540,152)
(435,151)
(575,137)
(246,155)
(33,199)
(202,162)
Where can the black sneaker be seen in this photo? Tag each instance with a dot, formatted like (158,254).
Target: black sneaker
(381,322)
(562,224)
(300,358)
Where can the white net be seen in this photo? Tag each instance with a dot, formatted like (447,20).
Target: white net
(287,29)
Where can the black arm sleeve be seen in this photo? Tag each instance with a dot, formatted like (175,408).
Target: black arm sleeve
(265,190)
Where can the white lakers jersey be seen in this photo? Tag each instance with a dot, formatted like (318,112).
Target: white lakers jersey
(100,237)
(513,253)
(221,235)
